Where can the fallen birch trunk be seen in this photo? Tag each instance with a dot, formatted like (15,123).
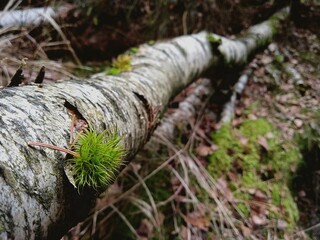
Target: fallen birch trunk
(227,113)
(37,201)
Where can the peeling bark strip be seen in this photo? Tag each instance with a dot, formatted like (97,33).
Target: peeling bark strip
(36,199)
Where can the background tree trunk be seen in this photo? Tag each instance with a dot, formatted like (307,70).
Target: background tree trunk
(37,201)
(26,17)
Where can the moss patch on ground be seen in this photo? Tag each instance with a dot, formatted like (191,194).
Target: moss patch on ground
(258,166)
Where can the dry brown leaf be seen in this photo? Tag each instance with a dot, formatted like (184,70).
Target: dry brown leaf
(302,193)
(289,237)
(263,143)
(201,133)
(143,238)
(281,224)
(247,102)
(135,166)
(298,122)
(183,233)
(222,185)
(232,176)
(286,87)
(258,220)
(293,61)
(113,191)
(161,218)
(293,168)
(269,167)
(259,195)
(197,219)
(278,176)
(266,59)
(236,122)
(238,111)
(243,140)
(260,72)
(251,116)
(203,150)
(272,47)
(145,229)
(175,183)
(269,135)
(214,147)
(246,232)
(258,208)
(284,98)
(251,191)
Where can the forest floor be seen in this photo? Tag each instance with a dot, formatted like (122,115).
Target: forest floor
(290,101)
(256,177)
(259,182)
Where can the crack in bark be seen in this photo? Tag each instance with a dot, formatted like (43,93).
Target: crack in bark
(152,113)
(146,105)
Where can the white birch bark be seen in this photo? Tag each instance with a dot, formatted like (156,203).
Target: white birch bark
(227,113)
(37,201)
(29,17)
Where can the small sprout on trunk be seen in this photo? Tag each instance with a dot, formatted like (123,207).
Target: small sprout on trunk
(121,64)
(100,157)
(96,158)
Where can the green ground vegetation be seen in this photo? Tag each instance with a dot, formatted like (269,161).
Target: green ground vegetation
(258,160)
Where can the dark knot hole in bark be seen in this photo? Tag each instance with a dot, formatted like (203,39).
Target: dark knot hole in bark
(73,110)
(146,105)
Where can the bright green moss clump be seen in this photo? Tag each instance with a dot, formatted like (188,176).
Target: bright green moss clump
(255,154)
(98,160)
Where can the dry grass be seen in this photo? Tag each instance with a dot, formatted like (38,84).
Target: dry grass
(197,206)
(184,202)
(28,46)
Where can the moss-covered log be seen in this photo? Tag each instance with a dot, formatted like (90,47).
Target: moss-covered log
(37,200)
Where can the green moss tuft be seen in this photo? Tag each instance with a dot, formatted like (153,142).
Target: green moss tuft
(122,63)
(214,39)
(244,209)
(134,49)
(282,198)
(100,157)
(255,128)
(227,144)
